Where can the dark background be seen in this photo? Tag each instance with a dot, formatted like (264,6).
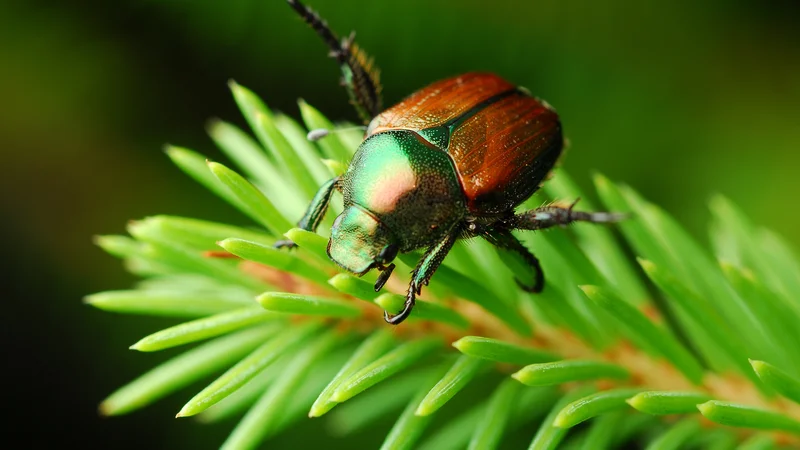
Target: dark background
(679,99)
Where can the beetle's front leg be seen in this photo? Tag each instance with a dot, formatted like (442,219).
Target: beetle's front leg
(505,240)
(548,216)
(426,266)
(315,212)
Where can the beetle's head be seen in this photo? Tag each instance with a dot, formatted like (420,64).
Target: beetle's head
(359,241)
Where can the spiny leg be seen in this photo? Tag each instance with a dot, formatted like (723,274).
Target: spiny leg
(359,75)
(422,274)
(505,240)
(548,216)
(315,212)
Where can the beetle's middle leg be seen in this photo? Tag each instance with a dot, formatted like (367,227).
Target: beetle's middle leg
(426,266)
(548,216)
(316,210)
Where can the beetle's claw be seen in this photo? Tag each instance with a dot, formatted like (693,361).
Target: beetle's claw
(390,318)
(396,319)
(284,243)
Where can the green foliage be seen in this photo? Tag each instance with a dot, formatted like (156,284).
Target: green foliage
(460,374)
(249,367)
(667,332)
(667,402)
(370,349)
(560,372)
(384,367)
(592,405)
(500,351)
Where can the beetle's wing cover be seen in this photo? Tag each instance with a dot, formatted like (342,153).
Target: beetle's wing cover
(504,151)
(440,102)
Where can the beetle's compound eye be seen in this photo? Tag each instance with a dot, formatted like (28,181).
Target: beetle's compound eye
(388,254)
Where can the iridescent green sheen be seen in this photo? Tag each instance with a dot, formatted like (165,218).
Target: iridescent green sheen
(357,239)
(399,190)
(408,185)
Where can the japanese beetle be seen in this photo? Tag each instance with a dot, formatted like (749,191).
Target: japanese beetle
(449,162)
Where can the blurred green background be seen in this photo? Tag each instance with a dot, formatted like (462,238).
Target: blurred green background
(679,99)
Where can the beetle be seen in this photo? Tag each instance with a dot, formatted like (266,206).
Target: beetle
(451,161)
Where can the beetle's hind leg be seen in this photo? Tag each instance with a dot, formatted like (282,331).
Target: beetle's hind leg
(552,215)
(359,74)
(507,241)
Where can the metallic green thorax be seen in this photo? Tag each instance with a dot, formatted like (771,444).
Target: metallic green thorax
(399,189)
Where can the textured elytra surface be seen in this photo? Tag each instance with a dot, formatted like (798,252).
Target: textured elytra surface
(440,102)
(504,151)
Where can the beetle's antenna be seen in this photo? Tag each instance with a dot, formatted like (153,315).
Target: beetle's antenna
(321,27)
(319,133)
(359,74)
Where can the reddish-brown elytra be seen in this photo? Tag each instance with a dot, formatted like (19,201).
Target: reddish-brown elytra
(503,142)
(451,161)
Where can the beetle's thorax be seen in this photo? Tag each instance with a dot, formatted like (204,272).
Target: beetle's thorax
(407,184)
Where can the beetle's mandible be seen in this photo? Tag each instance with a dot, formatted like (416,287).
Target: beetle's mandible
(451,161)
